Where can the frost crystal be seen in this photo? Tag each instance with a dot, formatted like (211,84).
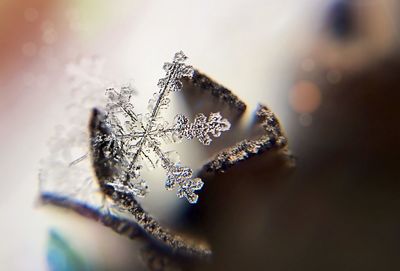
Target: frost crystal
(136,139)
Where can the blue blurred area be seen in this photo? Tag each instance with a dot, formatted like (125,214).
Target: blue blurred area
(61,257)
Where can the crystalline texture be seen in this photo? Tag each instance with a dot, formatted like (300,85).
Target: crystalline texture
(201,127)
(133,140)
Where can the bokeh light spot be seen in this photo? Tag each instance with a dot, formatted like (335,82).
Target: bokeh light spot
(305,97)
(49,36)
(334,76)
(31,14)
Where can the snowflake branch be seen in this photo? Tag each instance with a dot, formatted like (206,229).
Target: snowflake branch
(272,138)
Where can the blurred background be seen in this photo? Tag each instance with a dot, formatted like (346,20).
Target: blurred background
(328,69)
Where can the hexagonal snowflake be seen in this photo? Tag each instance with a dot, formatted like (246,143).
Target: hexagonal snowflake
(134,139)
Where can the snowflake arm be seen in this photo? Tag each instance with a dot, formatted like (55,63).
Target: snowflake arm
(171,82)
(201,127)
(179,176)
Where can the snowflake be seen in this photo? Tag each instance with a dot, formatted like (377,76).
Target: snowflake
(135,139)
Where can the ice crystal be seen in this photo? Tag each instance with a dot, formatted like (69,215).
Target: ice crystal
(137,139)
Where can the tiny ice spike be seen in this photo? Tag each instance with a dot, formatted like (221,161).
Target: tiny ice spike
(137,139)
